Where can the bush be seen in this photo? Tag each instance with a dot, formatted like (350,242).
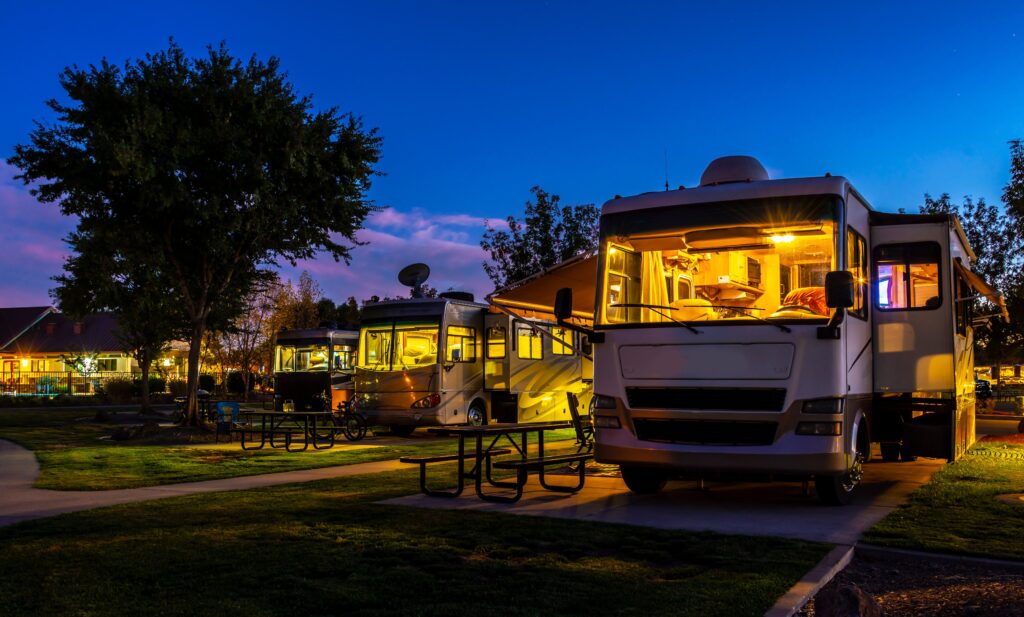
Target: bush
(207,382)
(156,385)
(177,387)
(119,389)
(236,383)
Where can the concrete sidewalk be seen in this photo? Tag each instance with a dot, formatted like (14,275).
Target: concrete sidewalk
(20,502)
(754,509)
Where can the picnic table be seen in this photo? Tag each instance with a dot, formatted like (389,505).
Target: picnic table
(275,424)
(489,441)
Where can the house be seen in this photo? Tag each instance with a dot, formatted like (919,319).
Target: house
(45,352)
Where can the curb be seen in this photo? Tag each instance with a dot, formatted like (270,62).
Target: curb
(819,576)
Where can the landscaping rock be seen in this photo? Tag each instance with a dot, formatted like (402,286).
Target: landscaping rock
(846,600)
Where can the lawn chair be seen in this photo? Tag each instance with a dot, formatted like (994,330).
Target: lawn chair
(584,425)
(227,418)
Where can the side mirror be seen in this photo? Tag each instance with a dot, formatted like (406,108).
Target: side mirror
(839,289)
(563,304)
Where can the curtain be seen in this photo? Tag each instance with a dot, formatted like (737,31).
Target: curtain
(654,290)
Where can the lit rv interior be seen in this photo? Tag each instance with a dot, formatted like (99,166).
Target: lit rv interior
(398,346)
(736,270)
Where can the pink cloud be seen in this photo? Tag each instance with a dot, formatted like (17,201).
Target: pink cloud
(33,233)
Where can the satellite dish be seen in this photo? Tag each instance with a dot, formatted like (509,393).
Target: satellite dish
(414,275)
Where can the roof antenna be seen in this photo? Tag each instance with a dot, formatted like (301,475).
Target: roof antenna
(666,169)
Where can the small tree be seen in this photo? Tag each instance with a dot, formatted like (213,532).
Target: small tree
(100,276)
(548,234)
(206,169)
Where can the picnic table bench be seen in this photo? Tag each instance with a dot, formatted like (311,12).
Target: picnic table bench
(275,424)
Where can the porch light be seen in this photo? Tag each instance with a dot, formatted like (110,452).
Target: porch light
(783,239)
(167,362)
(24,363)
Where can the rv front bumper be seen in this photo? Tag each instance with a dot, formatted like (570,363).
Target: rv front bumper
(761,444)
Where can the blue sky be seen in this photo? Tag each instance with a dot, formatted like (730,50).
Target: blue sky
(477,102)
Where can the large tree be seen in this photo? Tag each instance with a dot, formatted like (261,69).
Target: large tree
(214,166)
(548,234)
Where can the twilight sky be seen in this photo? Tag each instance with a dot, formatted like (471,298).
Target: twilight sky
(479,101)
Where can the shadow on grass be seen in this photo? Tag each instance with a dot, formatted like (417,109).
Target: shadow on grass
(326,548)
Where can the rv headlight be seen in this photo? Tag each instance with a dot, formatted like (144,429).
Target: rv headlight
(830,429)
(824,405)
(427,402)
(604,402)
(607,422)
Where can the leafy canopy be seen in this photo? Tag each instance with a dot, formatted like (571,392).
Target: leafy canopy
(548,234)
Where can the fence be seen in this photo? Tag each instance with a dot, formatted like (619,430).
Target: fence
(54,383)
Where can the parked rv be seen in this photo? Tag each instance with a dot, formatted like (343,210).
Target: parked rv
(452,360)
(313,367)
(778,328)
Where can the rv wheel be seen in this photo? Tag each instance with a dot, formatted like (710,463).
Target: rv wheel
(401,430)
(476,416)
(838,490)
(643,481)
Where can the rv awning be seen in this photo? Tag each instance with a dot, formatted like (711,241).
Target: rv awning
(536,294)
(983,288)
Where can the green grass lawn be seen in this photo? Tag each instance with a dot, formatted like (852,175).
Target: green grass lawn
(72,455)
(957,511)
(325,548)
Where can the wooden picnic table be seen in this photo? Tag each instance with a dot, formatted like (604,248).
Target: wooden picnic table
(287,423)
(493,440)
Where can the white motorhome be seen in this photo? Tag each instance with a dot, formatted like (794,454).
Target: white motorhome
(450,360)
(776,328)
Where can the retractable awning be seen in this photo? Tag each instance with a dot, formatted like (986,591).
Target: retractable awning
(979,285)
(536,294)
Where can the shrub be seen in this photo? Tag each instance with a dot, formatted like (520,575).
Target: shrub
(177,387)
(156,385)
(119,389)
(207,382)
(236,383)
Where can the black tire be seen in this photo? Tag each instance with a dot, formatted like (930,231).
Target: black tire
(402,430)
(838,490)
(476,415)
(905,454)
(643,481)
(890,451)
(354,426)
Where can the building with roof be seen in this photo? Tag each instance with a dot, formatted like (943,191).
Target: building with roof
(45,352)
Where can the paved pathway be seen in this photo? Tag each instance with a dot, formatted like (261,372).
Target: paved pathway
(20,502)
(757,509)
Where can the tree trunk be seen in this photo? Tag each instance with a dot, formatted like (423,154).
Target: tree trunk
(145,362)
(192,385)
(246,377)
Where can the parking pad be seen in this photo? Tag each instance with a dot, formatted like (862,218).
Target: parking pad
(759,509)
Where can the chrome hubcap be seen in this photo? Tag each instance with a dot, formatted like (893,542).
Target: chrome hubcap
(475,416)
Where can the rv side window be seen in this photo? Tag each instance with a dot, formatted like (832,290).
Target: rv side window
(529,344)
(342,360)
(907,276)
(496,343)
(857,264)
(460,345)
(964,306)
(561,342)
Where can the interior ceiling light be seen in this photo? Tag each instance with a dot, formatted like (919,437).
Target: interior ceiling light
(782,239)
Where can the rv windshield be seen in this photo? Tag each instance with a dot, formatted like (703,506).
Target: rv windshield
(711,263)
(301,358)
(398,346)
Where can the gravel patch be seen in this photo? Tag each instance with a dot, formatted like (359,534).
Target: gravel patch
(911,586)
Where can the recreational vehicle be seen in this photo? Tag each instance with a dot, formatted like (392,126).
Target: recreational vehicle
(452,360)
(313,367)
(776,328)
